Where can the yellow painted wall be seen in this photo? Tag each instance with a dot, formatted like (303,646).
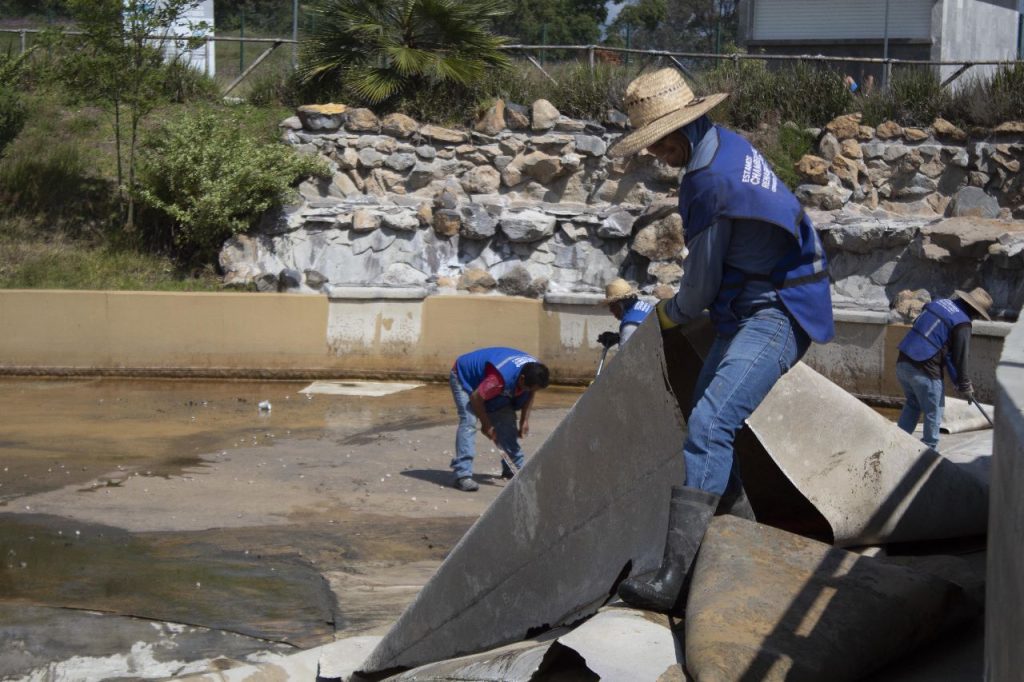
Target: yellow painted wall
(245,334)
(110,330)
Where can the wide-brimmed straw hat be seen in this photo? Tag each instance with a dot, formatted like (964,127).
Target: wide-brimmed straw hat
(658,103)
(618,289)
(977,298)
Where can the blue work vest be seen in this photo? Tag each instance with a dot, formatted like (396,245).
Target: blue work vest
(739,184)
(635,314)
(509,362)
(931,331)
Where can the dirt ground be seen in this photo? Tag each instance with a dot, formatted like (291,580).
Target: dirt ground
(240,533)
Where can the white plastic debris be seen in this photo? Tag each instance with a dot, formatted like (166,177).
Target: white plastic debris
(264,406)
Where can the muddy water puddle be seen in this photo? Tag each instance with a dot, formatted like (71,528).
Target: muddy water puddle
(183,502)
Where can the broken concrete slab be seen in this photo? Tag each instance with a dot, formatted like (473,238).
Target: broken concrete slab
(587,508)
(872,482)
(617,643)
(627,644)
(817,461)
(516,662)
(334,661)
(765,604)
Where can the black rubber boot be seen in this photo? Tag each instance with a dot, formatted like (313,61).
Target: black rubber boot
(689,512)
(735,502)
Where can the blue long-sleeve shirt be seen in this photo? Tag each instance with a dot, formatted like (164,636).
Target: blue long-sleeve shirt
(752,246)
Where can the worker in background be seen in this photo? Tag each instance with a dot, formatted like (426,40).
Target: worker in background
(940,338)
(623,301)
(490,385)
(755,262)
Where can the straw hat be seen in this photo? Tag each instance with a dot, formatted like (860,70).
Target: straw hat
(619,289)
(978,299)
(658,103)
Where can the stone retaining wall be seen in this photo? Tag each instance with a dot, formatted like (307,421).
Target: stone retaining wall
(934,171)
(529,204)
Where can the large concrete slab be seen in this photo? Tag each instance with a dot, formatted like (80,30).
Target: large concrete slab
(871,481)
(587,507)
(768,605)
(818,461)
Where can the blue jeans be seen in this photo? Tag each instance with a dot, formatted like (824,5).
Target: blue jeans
(924,394)
(505,426)
(738,373)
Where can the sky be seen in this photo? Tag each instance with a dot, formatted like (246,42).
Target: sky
(614,9)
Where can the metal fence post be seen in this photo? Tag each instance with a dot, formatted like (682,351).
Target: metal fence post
(241,34)
(590,58)
(23,43)
(295,34)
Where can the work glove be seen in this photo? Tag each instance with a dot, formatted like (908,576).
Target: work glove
(664,320)
(967,391)
(607,339)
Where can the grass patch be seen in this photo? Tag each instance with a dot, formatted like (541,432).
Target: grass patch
(70,264)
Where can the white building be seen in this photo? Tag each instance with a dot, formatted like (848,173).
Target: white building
(204,57)
(939,30)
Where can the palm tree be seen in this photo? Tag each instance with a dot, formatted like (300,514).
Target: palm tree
(382,48)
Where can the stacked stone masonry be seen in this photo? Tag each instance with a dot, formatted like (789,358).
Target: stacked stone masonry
(528,203)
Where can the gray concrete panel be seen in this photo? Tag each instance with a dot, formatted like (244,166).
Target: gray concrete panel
(871,481)
(765,604)
(1004,613)
(553,545)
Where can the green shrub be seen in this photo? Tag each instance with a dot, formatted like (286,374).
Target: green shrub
(807,94)
(210,178)
(915,98)
(12,116)
(182,83)
(789,143)
(990,101)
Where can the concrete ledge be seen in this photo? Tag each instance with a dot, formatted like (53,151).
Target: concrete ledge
(377,293)
(574,299)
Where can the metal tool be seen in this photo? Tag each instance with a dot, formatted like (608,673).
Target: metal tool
(983,413)
(600,365)
(508,461)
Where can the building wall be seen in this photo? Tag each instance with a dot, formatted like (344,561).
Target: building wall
(1004,591)
(822,20)
(381,333)
(974,30)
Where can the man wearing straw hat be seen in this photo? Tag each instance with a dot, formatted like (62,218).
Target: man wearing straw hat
(756,264)
(623,301)
(940,338)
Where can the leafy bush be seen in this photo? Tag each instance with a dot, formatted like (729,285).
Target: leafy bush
(180,83)
(915,98)
(12,116)
(989,102)
(803,93)
(210,178)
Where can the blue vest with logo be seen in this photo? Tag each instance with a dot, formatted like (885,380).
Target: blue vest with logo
(635,314)
(739,184)
(509,362)
(931,330)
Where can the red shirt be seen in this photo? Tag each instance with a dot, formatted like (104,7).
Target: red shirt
(492,385)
